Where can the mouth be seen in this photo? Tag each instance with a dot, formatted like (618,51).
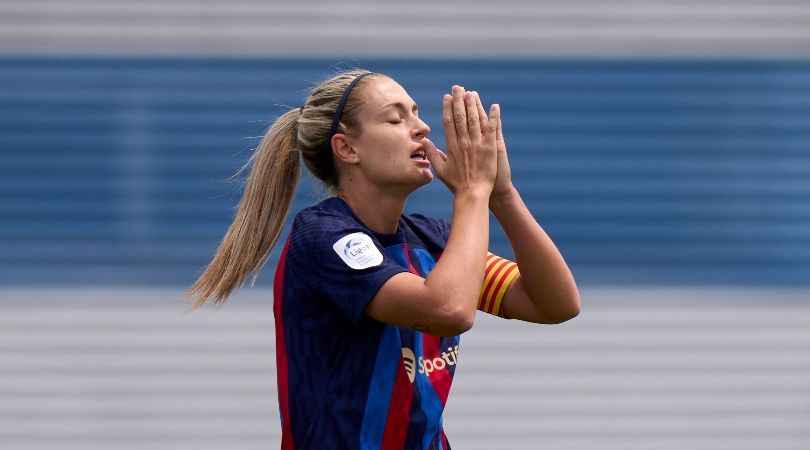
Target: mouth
(419,154)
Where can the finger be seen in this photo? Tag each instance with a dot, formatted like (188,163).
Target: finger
(494,120)
(432,152)
(447,121)
(499,135)
(460,115)
(482,113)
(436,157)
(473,122)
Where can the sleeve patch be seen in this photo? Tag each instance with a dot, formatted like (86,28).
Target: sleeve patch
(358,251)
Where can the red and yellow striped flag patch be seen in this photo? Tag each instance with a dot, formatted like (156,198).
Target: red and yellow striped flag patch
(498,275)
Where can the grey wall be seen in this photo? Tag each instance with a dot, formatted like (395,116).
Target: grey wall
(660,369)
(516,28)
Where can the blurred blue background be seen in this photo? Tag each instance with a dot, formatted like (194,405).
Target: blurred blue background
(664,146)
(644,172)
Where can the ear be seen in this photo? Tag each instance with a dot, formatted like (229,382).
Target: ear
(342,149)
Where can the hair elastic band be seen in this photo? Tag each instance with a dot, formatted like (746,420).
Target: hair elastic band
(341,105)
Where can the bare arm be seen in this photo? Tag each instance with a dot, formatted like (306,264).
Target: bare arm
(545,290)
(445,302)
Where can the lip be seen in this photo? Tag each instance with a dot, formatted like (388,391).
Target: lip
(418,149)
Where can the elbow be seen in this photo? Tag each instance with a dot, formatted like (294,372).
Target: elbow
(566,316)
(571,309)
(464,322)
(456,321)
(567,308)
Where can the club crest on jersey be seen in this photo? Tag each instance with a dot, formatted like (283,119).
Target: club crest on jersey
(358,251)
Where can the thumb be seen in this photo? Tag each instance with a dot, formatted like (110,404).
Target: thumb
(436,157)
(438,160)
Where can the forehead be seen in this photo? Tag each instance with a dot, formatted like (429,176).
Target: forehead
(383,91)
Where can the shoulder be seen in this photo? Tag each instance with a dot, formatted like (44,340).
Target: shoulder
(328,234)
(327,218)
(427,223)
(430,229)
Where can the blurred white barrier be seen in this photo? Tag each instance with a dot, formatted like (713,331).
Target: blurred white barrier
(638,369)
(416,28)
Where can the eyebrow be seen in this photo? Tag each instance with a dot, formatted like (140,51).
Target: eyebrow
(400,105)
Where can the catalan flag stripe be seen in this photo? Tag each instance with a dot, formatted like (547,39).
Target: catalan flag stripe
(499,274)
(496,272)
(495,283)
(489,277)
(507,279)
(490,260)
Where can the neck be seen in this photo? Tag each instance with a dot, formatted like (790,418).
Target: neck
(378,209)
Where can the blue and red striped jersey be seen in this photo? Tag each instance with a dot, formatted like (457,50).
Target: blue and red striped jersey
(345,380)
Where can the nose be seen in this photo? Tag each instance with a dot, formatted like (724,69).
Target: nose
(422,129)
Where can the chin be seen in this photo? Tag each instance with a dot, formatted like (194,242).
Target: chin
(426,177)
(414,183)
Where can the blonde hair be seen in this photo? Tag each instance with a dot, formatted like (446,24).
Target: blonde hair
(270,187)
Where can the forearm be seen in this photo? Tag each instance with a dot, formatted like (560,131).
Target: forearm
(544,274)
(459,273)
(444,302)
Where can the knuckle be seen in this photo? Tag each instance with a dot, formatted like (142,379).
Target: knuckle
(472,120)
(465,144)
(459,117)
(447,120)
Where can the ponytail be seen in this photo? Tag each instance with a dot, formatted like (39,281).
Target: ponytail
(260,216)
(299,134)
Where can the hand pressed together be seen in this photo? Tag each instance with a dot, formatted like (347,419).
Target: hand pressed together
(471,161)
(503,181)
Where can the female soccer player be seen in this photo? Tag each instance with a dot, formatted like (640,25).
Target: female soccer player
(369,303)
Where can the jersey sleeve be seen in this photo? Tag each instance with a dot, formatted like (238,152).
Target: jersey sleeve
(339,262)
(433,232)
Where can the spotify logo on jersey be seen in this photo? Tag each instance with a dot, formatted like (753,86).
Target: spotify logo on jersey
(428,366)
(410,367)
